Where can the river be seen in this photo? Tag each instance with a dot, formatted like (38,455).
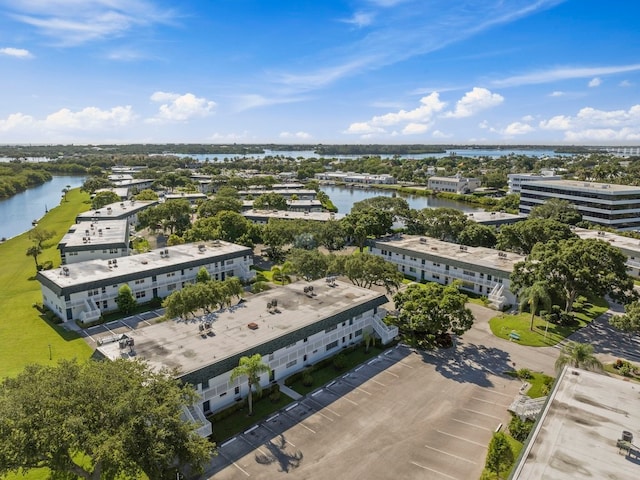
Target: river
(19,211)
(344,198)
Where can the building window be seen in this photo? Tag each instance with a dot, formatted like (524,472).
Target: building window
(331,345)
(105,304)
(334,327)
(236,391)
(138,282)
(141,294)
(205,384)
(358,332)
(291,363)
(223,394)
(171,287)
(206,406)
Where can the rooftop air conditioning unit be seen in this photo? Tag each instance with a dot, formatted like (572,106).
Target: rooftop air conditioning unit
(166,252)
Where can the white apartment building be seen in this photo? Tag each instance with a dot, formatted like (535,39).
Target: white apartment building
(457,184)
(515,180)
(104,240)
(288,193)
(116,211)
(480,270)
(292,205)
(351,177)
(615,206)
(630,247)
(290,327)
(263,216)
(82,291)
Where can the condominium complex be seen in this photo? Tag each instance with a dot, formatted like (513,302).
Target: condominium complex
(351,177)
(457,184)
(116,211)
(291,327)
(263,216)
(630,247)
(82,291)
(480,270)
(515,180)
(103,240)
(615,206)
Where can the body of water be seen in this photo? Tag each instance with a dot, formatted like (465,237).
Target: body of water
(462,152)
(19,211)
(344,198)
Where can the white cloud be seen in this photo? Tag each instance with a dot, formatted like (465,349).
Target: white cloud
(595,82)
(439,134)
(556,74)
(74,22)
(527,118)
(593,125)
(16,121)
(518,128)
(15,52)
(179,108)
(625,83)
(557,93)
(475,101)
(423,115)
(89,118)
(360,19)
(249,101)
(415,128)
(296,135)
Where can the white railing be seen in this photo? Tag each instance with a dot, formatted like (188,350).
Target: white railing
(195,415)
(386,332)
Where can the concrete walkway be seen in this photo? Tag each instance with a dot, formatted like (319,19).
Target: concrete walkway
(289,392)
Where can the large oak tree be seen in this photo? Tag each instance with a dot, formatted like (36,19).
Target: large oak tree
(98,420)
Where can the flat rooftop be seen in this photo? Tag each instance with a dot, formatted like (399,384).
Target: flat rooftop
(627,244)
(495,217)
(115,210)
(92,271)
(181,345)
(584,186)
(287,215)
(86,234)
(485,257)
(577,433)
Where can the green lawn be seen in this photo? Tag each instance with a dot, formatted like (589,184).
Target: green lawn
(540,384)
(240,420)
(324,375)
(544,335)
(24,336)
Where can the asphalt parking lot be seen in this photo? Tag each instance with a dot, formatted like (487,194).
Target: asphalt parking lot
(401,415)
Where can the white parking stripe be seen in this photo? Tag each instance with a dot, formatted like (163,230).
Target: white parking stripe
(497,393)
(462,438)
(489,401)
(481,413)
(303,425)
(451,455)
(375,381)
(472,425)
(434,471)
(363,391)
(391,373)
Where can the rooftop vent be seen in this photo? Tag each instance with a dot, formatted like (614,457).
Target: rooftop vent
(201,248)
(166,252)
(423,240)
(463,248)
(65,271)
(502,255)
(331,280)
(252,326)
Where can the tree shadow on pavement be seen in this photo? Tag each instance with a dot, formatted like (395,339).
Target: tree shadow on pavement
(469,363)
(277,448)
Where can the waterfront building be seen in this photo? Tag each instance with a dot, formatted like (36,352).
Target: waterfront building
(515,180)
(292,205)
(116,211)
(263,216)
(480,270)
(351,177)
(615,206)
(192,198)
(288,193)
(457,184)
(291,327)
(83,291)
(104,240)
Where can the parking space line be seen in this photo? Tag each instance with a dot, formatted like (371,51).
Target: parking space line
(490,402)
(498,393)
(391,373)
(462,438)
(472,425)
(127,325)
(278,434)
(349,400)
(481,413)
(403,364)
(328,418)
(363,391)
(322,407)
(434,471)
(303,425)
(375,381)
(234,463)
(451,455)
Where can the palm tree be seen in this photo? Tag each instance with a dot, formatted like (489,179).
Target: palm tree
(534,296)
(252,367)
(578,355)
(34,251)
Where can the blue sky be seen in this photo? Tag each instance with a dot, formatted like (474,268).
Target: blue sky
(310,71)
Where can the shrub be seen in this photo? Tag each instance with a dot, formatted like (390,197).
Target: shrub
(307,379)
(258,287)
(625,369)
(519,429)
(274,396)
(524,374)
(339,361)
(618,364)
(48,265)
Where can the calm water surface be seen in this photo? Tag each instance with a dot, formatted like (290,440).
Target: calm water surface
(17,212)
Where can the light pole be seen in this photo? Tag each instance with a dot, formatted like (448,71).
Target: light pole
(50,357)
